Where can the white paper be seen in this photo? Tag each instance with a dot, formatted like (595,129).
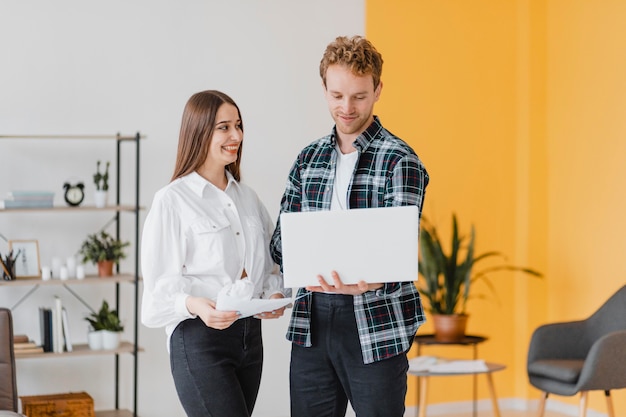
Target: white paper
(439,365)
(250,307)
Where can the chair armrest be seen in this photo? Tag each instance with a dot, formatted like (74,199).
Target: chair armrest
(605,366)
(558,340)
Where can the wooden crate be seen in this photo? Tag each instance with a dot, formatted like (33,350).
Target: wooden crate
(73,404)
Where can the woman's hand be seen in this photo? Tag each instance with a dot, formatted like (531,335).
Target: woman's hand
(205,309)
(274,314)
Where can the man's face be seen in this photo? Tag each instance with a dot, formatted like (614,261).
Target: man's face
(350,100)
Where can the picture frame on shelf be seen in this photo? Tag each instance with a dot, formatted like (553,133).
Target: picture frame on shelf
(27,264)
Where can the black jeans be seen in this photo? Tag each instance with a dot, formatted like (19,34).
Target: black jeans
(217,373)
(325,376)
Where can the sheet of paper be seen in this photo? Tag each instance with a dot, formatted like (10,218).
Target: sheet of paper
(440,365)
(250,307)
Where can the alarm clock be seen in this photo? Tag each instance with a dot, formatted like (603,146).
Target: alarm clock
(74,193)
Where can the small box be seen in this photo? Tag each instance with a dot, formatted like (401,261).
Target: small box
(73,404)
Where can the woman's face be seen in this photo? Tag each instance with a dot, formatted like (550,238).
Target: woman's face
(226,138)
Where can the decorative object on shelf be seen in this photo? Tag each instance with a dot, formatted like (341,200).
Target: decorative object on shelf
(74,193)
(27,262)
(106,328)
(101,180)
(8,265)
(103,250)
(448,277)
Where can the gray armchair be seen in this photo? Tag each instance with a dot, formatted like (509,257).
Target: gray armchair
(581,356)
(8,385)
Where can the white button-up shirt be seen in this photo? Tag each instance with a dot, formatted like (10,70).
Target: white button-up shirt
(198,238)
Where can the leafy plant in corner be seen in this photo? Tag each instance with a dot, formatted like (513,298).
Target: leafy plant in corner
(105,319)
(101,180)
(448,277)
(102,246)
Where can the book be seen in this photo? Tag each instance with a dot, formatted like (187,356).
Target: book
(9,204)
(36,349)
(45,322)
(20,338)
(31,195)
(24,345)
(66,331)
(57,326)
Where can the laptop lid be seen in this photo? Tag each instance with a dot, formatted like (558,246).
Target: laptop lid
(374,245)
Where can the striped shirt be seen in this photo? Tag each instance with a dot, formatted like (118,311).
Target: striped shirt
(388,173)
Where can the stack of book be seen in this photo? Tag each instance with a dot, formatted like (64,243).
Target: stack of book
(22,344)
(28,199)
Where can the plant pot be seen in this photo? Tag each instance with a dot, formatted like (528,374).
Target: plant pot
(105,268)
(449,328)
(110,340)
(94,339)
(100,198)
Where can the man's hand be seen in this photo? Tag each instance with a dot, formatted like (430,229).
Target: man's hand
(341,288)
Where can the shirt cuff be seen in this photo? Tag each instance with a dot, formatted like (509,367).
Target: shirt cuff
(181,307)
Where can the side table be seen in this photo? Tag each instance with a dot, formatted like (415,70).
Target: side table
(490,368)
(468,340)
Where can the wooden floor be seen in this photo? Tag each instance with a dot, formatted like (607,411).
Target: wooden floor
(504,413)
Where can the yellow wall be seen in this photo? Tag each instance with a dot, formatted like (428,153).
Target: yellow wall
(518,110)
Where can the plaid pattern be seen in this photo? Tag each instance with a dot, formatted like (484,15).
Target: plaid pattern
(388,173)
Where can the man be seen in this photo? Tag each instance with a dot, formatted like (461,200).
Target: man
(349,342)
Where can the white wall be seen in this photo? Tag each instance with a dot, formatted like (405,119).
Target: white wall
(84,67)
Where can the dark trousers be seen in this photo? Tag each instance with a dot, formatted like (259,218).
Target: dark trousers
(217,373)
(324,377)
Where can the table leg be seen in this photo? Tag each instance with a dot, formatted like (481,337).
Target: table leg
(423,395)
(492,392)
(419,403)
(475,389)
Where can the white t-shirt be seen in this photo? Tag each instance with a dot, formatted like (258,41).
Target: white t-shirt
(198,238)
(343,175)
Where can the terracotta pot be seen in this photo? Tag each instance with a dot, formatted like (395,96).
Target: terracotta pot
(449,327)
(105,268)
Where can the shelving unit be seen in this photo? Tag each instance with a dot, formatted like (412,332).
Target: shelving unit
(118,279)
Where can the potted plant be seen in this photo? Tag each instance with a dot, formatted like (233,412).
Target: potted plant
(103,250)
(105,328)
(101,181)
(448,277)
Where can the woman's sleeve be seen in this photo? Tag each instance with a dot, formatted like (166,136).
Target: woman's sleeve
(273,281)
(163,246)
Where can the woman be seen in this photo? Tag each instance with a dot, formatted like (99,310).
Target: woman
(206,230)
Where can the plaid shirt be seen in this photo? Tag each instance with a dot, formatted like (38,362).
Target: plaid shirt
(388,173)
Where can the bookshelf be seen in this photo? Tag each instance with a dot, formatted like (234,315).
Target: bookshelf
(126,278)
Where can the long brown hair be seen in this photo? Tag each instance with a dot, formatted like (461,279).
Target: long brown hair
(196,130)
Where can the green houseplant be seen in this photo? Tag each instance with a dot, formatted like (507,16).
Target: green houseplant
(105,319)
(103,250)
(448,276)
(101,181)
(106,328)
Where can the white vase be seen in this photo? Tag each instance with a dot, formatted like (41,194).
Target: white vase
(110,340)
(94,339)
(100,198)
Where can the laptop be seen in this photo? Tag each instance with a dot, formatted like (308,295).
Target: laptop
(373,244)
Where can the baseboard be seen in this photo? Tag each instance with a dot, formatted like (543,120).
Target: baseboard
(517,404)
